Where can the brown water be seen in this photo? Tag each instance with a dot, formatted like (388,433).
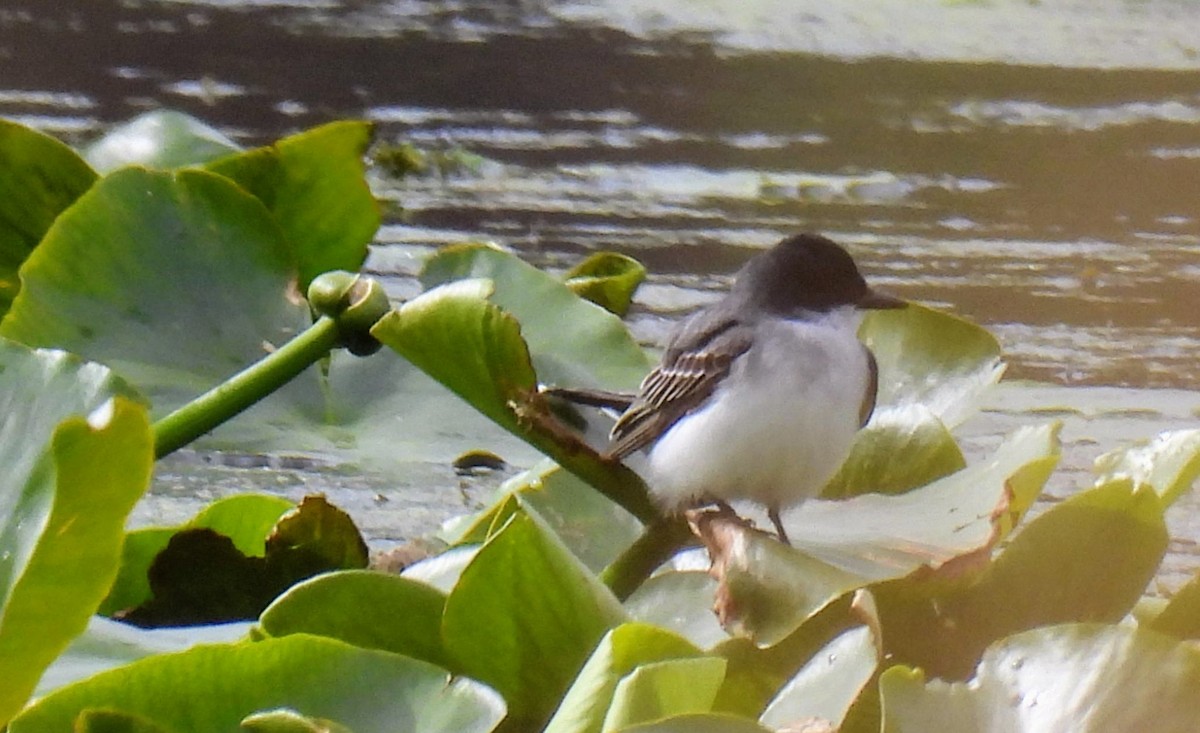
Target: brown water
(1035,167)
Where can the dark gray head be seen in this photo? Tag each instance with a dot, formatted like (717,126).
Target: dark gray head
(806,272)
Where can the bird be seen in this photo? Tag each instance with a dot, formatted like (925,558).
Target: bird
(759,395)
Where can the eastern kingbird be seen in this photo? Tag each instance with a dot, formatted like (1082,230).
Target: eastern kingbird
(758,396)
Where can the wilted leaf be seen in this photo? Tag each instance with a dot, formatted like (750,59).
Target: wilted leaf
(158,139)
(524,616)
(607,279)
(39,178)
(67,487)
(1081,678)
(365,690)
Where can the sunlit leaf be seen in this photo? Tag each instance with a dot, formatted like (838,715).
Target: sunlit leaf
(313,183)
(290,721)
(39,178)
(595,351)
(826,687)
(680,601)
(66,490)
(1169,463)
(702,723)
(658,690)
(932,358)
(584,707)
(158,139)
(1181,616)
(186,256)
(364,608)
(524,616)
(1080,678)
(366,690)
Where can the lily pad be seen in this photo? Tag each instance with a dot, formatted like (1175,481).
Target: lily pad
(39,178)
(524,616)
(658,690)
(364,608)
(159,139)
(622,650)
(366,690)
(68,485)
(1081,677)
(1086,559)
(1169,463)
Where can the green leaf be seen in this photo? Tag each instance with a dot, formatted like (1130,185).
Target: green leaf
(948,526)
(111,721)
(1086,559)
(703,723)
(682,602)
(596,351)
(158,139)
(1169,463)
(524,616)
(826,687)
(365,690)
(1181,616)
(39,177)
(187,256)
(621,650)
(364,608)
(932,358)
(1082,678)
(316,534)
(659,690)
(903,447)
(314,184)
(67,487)
(607,279)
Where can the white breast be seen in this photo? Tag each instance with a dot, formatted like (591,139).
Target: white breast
(778,427)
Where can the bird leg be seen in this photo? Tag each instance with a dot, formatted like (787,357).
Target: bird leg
(773,513)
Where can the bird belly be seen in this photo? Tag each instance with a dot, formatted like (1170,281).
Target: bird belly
(776,430)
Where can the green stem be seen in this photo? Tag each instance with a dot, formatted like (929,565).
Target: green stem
(245,388)
(658,542)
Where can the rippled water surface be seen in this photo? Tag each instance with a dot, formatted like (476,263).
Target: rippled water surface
(1035,167)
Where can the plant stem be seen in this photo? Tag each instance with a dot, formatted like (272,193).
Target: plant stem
(245,388)
(658,542)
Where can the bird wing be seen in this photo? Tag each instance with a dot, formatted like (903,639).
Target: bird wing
(694,363)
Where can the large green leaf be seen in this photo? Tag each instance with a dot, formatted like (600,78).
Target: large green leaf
(364,608)
(524,616)
(1081,678)
(186,256)
(1086,559)
(826,687)
(623,649)
(1181,616)
(39,177)
(573,342)
(949,526)
(158,139)
(314,185)
(68,485)
(367,690)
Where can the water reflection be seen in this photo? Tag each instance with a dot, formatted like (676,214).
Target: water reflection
(1056,205)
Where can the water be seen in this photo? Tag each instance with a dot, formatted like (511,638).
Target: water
(1034,167)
